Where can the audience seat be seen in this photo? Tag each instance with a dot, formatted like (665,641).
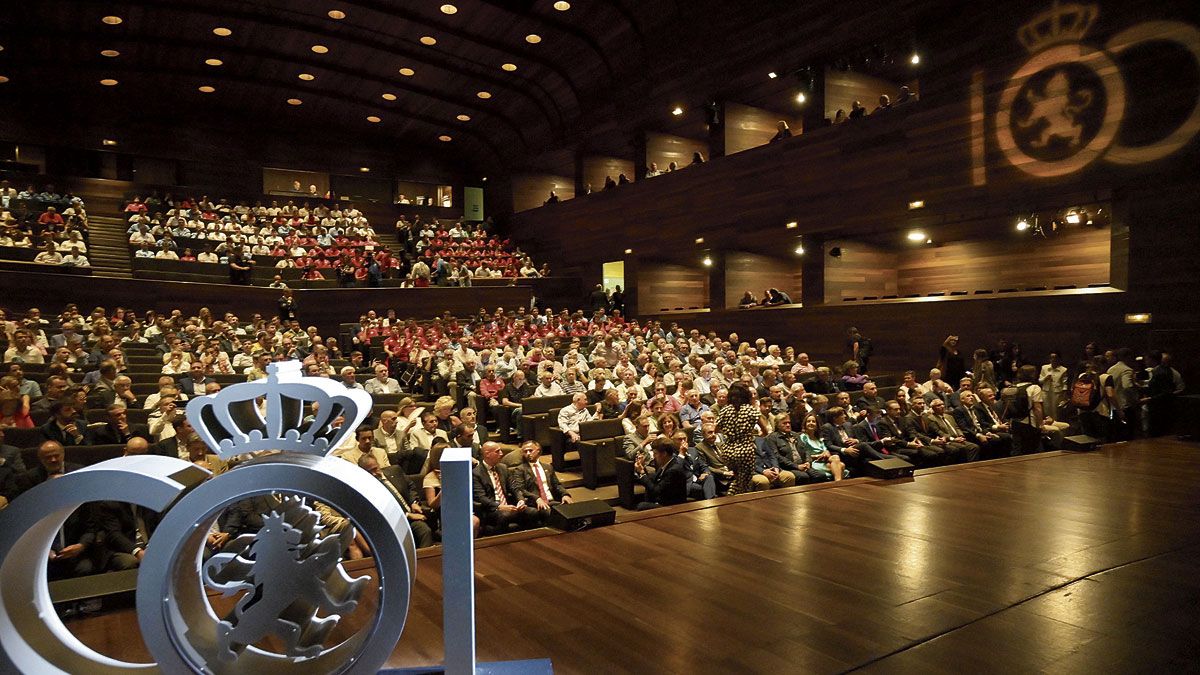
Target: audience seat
(600,442)
(24,439)
(535,418)
(628,488)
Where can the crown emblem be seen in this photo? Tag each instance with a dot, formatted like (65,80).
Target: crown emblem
(231,422)
(1060,23)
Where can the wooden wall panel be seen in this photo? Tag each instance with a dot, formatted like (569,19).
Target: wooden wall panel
(531,191)
(596,169)
(748,127)
(662,149)
(843,88)
(862,271)
(667,286)
(755,273)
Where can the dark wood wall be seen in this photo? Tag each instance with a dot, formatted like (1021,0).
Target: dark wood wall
(752,272)
(596,169)
(530,191)
(666,148)
(747,127)
(667,286)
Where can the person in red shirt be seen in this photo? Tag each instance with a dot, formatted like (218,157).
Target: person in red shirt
(489,388)
(50,217)
(312,274)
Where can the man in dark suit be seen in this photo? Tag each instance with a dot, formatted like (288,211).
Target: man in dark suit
(536,483)
(870,398)
(791,452)
(707,448)
(122,531)
(195,381)
(496,506)
(118,430)
(767,470)
(839,438)
(917,428)
(870,436)
(668,484)
(957,446)
(701,484)
(51,464)
(901,442)
(64,426)
(397,483)
(967,415)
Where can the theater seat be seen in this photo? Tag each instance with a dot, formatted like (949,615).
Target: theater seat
(24,438)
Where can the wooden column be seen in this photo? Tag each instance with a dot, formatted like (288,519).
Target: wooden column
(812,272)
(639,155)
(814,108)
(715,120)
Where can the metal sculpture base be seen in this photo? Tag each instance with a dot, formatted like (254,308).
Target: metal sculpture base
(527,667)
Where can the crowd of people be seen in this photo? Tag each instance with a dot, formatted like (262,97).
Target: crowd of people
(702,415)
(437,255)
(53,223)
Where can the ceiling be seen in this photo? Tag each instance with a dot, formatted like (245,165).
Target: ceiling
(601,69)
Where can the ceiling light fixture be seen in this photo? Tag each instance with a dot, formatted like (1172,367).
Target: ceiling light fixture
(388,96)
(320,49)
(337,14)
(772,74)
(677,111)
(222,31)
(915,60)
(793,225)
(799,250)
(407,72)
(1022,225)
(628,251)
(916,204)
(699,240)
(307,77)
(916,235)
(484,94)
(294,101)
(3,79)
(463,118)
(533,38)
(707,261)
(110,53)
(801,98)
(449,9)
(374,119)
(510,67)
(109,141)
(562,5)
(112,20)
(364,169)
(428,40)
(444,138)
(108,82)
(207,89)
(214,62)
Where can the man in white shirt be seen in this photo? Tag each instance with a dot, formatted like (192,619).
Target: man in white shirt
(23,349)
(75,260)
(49,257)
(381,383)
(570,417)
(547,386)
(422,437)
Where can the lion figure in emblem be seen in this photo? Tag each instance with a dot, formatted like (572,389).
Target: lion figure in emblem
(1060,108)
(288,573)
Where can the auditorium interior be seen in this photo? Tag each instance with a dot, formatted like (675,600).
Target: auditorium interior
(856,336)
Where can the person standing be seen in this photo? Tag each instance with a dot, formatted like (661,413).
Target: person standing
(737,422)
(951,361)
(1053,380)
(858,348)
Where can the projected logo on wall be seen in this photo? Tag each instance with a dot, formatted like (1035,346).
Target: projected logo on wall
(1063,109)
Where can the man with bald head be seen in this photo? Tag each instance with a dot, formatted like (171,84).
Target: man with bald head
(51,464)
(495,501)
(404,492)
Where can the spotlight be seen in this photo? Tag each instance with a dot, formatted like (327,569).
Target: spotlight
(916,204)
(1074,217)
(799,249)
(1022,225)
(801,98)
(916,235)
(677,111)
(109,141)
(628,251)
(707,262)
(699,240)
(915,60)
(793,225)
(772,74)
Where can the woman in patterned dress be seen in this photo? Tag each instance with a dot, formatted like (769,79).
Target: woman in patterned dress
(738,423)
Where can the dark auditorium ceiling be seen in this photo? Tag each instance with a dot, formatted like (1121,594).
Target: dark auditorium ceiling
(588,69)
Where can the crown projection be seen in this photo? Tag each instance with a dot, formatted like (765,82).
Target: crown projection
(232,422)
(1061,23)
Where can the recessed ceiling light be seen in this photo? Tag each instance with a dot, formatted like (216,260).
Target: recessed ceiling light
(677,111)
(628,251)
(222,31)
(449,9)
(112,20)
(110,53)
(916,204)
(799,250)
(307,77)
(801,98)
(463,118)
(108,82)
(510,67)
(533,38)
(294,101)
(364,169)
(428,40)
(207,89)
(3,79)
(214,62)
(484,94)
(793,225)
(916,235)
(915,60)
(373,119)
(320,49)
(337,14)
(707,262)
(108,141)
(699,240)
(407,72)
(388,97)
(562,5)
(444,138)
(772,74)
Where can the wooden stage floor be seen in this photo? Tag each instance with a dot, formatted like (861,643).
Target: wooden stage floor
(1071,563)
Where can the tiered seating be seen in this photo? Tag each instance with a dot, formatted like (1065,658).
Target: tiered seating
(43,227)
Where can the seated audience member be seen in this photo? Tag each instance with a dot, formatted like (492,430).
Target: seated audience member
(701,482)
(851,379)
(709,448)
(195,382)
(838,435)
(381,383)
(570,417)
(118,430)
(422,438)
(64,426)
(903,440)
(398,485)
(823,384)
(535,483)
(967,414)
(945,431)
(784,131)
(51,464)
(827,464)
(364,445)
(50,256)
(667,483)
(496,505)
(768,472)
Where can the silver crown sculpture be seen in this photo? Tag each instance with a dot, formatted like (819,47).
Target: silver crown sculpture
(293,587)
